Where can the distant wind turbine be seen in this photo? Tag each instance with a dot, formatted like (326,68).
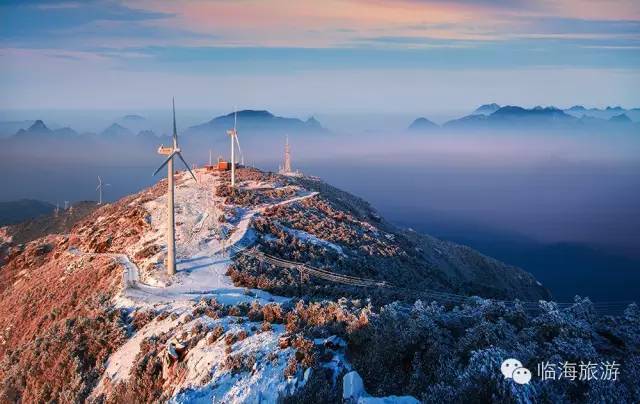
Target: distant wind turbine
(171,152)
(99,189)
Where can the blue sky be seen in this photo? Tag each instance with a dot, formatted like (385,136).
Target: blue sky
(311,56)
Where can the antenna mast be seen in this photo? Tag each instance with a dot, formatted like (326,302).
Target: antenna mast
(287,156)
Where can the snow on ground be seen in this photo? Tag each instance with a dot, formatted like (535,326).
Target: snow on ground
(120,362)
(203,256)
(353,391)
(310,238)
(207,380)
(202,248)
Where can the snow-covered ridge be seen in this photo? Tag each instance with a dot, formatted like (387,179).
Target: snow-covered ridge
(207,231)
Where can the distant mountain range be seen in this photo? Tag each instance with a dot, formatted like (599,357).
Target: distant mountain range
(254,122)
(576,118)
(248,122)
(577,110)
(9,128)
(259,122)
(39,129)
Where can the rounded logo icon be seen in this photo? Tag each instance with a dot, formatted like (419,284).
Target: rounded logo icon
(508,366)
(522,376)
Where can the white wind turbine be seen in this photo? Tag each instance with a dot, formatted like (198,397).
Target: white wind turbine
(233,133)
(171,152)
(99,189)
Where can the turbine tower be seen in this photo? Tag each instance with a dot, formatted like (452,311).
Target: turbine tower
(233,133)
(99,189)
(171,152)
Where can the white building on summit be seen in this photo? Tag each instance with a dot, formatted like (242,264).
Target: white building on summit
(285,169)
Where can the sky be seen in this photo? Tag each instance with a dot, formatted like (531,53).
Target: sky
(328,56)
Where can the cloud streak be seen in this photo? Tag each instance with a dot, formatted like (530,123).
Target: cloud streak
(42,40)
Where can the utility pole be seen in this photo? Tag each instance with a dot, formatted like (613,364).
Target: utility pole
(300,280)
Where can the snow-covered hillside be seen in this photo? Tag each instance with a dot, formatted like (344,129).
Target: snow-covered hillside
(285,285)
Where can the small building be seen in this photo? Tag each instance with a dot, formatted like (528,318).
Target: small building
(223,165)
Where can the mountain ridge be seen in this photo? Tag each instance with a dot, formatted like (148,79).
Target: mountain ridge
(257,121)
(276,311)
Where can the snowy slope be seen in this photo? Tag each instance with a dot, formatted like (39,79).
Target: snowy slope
(203,256)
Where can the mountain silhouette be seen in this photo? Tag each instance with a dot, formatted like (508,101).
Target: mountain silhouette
(487,109)
(39,129)
(116,130)
(422,125)
(622,118)
(255,122)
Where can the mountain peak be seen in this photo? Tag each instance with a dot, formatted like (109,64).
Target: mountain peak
(253,122)
(422,124)
(252,113)
(116,130)
(487,108)
(622,118)
(512,110)
(38,126)
(314,123)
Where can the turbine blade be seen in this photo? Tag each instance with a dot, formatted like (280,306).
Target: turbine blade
(98,187)
(175,131)
(165,163)
(239,149)
(187,166)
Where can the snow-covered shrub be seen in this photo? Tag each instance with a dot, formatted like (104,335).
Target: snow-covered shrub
(454,354)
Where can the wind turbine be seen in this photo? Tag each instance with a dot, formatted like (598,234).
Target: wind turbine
(233,134)
(171,152)
(99,189)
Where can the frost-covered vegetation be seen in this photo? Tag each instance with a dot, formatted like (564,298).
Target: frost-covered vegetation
(454,355)
(73,328)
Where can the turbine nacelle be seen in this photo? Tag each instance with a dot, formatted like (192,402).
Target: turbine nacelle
(165,150)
